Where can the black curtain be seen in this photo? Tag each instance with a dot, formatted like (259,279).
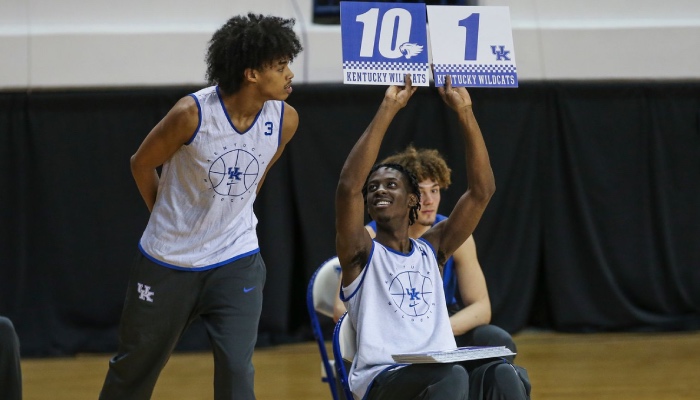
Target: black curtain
(595,224)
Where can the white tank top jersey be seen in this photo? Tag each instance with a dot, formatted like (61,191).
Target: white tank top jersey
(203,215)
(397,305)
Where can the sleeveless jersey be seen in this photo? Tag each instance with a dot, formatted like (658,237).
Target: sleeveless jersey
(396,305)
(449,279)
(203,215)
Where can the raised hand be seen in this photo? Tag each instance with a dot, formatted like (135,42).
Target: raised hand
(457,98)
(400,95)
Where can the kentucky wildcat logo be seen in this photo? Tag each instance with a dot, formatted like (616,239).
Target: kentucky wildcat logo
(412,293)
(410,49)
(234,172)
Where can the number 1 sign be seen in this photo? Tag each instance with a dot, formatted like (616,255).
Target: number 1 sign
(474,45)
(382,42)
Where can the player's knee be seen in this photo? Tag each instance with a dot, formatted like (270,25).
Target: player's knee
(504,338)
(458,379)
(492,335)
(507,381)
(6,328)
(238,367)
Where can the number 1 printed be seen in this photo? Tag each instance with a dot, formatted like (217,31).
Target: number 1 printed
(471,24)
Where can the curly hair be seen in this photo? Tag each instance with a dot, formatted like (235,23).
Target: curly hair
(424,163)
(412,185)
(252,41)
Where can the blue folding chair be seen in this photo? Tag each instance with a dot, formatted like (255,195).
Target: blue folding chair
(344,350)
(320,299)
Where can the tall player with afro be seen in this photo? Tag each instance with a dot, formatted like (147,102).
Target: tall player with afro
(199,254)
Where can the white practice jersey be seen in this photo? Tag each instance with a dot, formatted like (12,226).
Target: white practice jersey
(397,305)
(203,215)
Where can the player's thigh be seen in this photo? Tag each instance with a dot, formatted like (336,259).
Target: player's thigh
(422,381)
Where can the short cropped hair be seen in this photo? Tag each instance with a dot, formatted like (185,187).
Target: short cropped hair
(424,164)
(251,41)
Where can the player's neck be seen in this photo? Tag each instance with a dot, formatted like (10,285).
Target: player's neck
(401,245)
(242,108)
(417,230)
(395,239)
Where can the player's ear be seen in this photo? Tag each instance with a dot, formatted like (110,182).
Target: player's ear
(250,75)
(412,200)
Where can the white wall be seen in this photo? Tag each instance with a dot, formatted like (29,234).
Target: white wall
(605,39)
(101,43)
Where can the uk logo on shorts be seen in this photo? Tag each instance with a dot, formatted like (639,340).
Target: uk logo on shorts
(145,293)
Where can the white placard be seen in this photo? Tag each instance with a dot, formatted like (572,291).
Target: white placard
(474,45)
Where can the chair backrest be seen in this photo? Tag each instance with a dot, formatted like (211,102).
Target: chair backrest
(325,286)
(344,350)
(320,299)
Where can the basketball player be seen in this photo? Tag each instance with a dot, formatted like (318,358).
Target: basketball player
(199,254)
(391,285)
(10,370)
(470,324)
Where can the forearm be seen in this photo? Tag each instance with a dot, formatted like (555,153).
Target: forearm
(364,154)
(470,317)
(479,172)
(147,182)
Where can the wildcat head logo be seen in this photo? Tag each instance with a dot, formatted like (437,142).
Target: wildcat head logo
(410,49)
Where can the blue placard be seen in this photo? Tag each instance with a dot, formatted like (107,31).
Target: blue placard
(382,42)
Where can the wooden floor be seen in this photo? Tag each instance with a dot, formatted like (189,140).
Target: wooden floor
(561,367)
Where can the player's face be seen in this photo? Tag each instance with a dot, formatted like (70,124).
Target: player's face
(429,202)
(275,80)
(387,195)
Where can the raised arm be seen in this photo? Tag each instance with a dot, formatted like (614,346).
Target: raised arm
(352,242)
(448,235)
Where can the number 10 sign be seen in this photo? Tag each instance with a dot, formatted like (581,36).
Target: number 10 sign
(382,42)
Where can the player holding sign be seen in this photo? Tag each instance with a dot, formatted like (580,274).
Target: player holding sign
(382,43)
(391,285)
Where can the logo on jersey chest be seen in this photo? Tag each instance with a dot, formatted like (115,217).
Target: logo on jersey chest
(235,171)
(411,292)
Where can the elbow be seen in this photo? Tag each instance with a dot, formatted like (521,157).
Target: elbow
(487,316)
(344,188)
(133,163)
(490,188)
(137,166)
(484,192)
(137,163)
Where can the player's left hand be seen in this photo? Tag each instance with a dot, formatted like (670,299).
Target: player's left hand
(457,98)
